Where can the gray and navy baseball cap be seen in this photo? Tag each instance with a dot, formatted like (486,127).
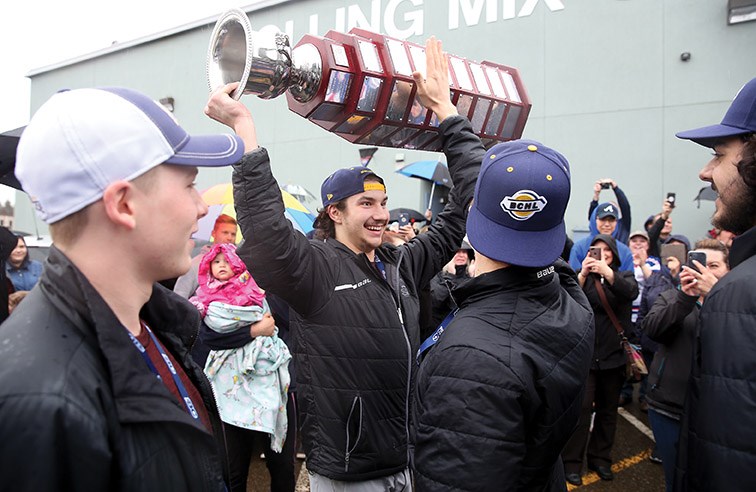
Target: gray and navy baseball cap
(80,141)
(517,215)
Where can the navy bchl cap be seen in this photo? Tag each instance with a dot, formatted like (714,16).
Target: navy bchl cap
(517,215)
(347,182)
(740,119)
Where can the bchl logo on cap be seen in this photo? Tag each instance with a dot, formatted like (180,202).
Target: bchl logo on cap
(523,204)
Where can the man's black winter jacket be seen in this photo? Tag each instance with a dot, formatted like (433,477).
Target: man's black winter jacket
(717,448)
(80,409)
(500,394)
(354,334)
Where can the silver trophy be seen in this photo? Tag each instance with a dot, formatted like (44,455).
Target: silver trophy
(359,85)
(263,62)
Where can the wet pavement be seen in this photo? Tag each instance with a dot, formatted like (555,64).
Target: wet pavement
(633,471)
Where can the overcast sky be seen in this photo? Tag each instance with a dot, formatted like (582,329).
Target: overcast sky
(35,34)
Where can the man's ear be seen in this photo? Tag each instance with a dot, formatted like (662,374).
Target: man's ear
(335,214)
(118,201)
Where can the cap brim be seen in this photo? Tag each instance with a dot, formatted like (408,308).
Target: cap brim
(209,151)
(521,248)
(709,136)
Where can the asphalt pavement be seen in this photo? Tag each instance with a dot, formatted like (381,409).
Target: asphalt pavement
(633,471)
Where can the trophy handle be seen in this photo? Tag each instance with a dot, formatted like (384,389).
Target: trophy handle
(261,61)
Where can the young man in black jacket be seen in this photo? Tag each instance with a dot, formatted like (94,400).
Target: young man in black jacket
(97,387)
(718,438)
(499,392)
(355,307)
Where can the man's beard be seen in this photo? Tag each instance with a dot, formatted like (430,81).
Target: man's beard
(737,212)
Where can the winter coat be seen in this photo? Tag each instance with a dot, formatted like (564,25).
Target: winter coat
(659,282)
(239,290)
(580,249)
(80,409)
(672,323)
(355,333)
(622,231)
(499,395)
(717,448)
(608,352)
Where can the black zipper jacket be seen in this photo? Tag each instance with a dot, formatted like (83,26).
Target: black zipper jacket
(500,394)
(80,409)
(717,448)
(354,334)
(672,322)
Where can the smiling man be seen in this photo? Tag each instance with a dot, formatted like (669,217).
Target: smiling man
(97,388)
(355,306)
(717,449)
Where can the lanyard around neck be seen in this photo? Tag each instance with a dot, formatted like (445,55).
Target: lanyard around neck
(435,337)
(176,379)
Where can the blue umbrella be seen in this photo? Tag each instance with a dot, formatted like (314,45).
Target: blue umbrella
(436,172)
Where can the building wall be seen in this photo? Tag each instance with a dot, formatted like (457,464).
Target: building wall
(606,80)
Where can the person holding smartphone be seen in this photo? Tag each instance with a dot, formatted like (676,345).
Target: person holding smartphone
(600,270)
(606,218)
(659,226)
(672,323)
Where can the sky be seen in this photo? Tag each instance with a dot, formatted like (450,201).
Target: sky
(35,34)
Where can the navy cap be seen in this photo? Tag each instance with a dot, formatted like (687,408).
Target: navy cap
(517,215)
(606,209)
(347,182)
(740,119)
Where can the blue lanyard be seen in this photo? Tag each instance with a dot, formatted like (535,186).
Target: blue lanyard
(379,265)
(436,336)
(176,379)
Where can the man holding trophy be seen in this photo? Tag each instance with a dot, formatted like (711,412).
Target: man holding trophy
(355,305)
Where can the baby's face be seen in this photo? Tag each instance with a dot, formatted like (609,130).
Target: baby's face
(220,269)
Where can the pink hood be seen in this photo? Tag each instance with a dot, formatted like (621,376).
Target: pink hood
(239,290)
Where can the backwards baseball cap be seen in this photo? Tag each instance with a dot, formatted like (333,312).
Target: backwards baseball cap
(81,141)
(740,119)
(517,215)
(606,209)
(347,182)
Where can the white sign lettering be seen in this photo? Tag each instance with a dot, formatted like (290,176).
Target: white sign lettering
(405,18)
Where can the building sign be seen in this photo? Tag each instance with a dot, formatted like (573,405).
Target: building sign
(405,18)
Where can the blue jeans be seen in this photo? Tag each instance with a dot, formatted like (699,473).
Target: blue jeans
(666,432)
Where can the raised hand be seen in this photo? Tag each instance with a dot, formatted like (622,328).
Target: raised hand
(433,90)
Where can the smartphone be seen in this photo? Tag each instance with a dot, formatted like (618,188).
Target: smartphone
(595,252)
(676,250)
(699,256)
(403,219)
(671,199)
(606,185)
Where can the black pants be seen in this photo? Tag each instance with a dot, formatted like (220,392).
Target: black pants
(241,444)
(602,392)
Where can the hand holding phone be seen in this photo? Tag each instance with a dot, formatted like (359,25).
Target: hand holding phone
(699,256)
(595,252)
(403,219)
(671,199)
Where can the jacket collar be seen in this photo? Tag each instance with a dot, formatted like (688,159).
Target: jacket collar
(139,395)
(512,278)
(743,247)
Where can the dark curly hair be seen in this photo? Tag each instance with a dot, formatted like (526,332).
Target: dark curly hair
(324,226)
(747,165)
